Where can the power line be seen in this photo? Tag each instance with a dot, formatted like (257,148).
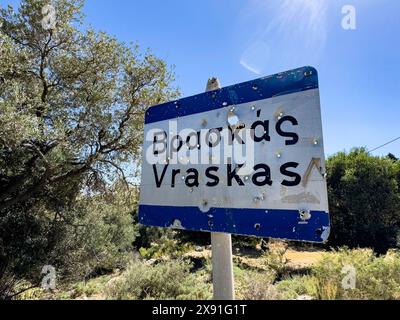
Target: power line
(384,145)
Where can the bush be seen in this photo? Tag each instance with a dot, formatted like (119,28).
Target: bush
(274,259)
(101,236)
(165,246)
(364,200)
(254,285)
(376,278)
(169,280)
(148,235)
(292,288)
(93,237)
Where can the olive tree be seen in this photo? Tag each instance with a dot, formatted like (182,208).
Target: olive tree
(72,103)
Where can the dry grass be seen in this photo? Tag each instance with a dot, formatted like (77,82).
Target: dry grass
(302,259)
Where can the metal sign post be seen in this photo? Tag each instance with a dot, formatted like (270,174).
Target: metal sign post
(221,246)
(222,266)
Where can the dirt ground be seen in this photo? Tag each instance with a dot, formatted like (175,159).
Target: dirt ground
(302,259)
(295,258)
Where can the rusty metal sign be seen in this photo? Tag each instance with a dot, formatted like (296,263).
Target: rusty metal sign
(246,159)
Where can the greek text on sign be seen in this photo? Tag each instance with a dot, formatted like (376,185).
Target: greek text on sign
(246,159)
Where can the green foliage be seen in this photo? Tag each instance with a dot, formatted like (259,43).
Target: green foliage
(253,285)
(93,289)
(377,278)
(364,200)
(195,237)
(204,239)
(274,259)
(256,281)
(102,234)
(166,280)
(72,103)
(291,288)
(165,246)
(246,242)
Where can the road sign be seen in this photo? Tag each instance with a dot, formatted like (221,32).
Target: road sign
(246,159)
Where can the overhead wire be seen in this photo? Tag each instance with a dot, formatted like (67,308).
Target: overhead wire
(385,144)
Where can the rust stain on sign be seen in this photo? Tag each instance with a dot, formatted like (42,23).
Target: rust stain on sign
(305,197)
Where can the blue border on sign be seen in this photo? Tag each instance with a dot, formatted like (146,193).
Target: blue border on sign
(297,80)
(283,224)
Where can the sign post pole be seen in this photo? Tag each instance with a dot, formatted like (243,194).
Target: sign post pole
(221,246)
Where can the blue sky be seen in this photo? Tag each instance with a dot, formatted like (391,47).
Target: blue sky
(240,40)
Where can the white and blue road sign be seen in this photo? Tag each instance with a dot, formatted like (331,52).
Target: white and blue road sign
(281,194)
